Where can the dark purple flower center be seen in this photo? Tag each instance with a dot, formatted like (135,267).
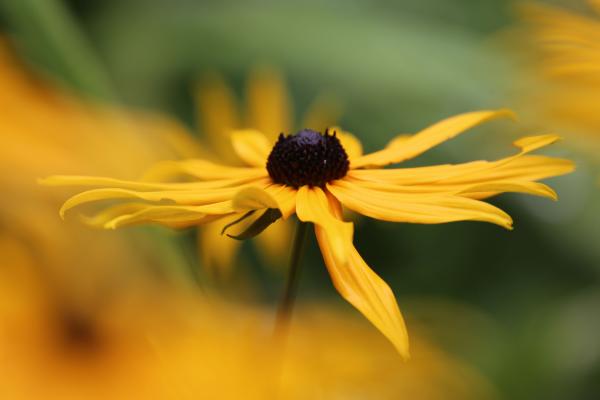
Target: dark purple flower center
(307,158)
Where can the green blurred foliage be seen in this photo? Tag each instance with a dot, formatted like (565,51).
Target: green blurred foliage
(521,305)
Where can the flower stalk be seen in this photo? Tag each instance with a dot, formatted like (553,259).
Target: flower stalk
(286,304)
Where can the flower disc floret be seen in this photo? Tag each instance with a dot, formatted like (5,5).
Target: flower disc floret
(307,158)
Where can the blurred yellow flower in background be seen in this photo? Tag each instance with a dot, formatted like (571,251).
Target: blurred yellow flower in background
(267,108)
(565,67)
(57,280)
(44,129)
(313,175)
(186,347)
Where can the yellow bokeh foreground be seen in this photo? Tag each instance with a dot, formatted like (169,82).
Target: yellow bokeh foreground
(172,346)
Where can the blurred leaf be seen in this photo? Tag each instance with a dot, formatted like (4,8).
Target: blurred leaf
(47,34)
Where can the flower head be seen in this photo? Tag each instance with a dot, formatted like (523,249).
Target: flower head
(267,108)
(313,175)
(307,158)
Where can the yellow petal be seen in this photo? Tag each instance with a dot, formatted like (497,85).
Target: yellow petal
(75,180)
(515,170)
(416,208)
(528,144)
(349,142)
(285,197)
(188,197)
(100,219)
(312,205)
(485,190)
(217,113)
(404,148)
(526,168)
(253,198)
(251,146)
(268,103)
(470,189)
(322,113)
(362,288)
(172,216)
(199,169)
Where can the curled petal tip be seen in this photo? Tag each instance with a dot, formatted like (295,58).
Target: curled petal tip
(509,113)
(402,346)
(507,223)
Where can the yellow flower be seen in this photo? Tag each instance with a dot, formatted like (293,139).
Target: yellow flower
(312,175)
(267,109)
(566,68)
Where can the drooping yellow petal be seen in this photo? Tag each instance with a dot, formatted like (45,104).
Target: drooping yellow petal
(405,148)
(251,146)
(286,198)
(351,276)
(416,208)
(312,206)
(217,113)
(268,103)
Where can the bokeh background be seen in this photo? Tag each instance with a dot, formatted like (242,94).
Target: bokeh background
(519,309)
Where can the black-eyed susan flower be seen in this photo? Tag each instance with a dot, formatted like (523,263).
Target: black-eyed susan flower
(64,336)
(267,108)
(313,175)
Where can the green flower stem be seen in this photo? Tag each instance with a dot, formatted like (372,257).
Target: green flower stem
(286,304)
